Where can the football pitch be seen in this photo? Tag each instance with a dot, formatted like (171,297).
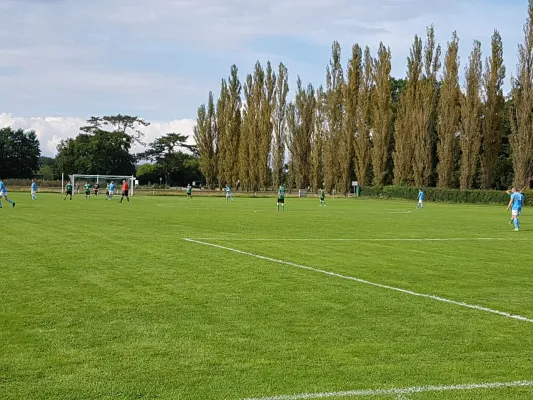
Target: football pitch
(168,298)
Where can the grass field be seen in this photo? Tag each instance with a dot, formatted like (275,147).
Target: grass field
(100,300)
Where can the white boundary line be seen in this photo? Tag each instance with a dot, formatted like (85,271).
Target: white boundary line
(398,392)
(429,296)
(357,239)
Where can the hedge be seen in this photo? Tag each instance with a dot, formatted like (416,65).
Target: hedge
(474,196)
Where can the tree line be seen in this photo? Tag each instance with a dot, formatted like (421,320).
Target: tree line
(104,146)
(422,130)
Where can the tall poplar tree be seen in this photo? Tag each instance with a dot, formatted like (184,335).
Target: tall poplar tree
(381,115)
(335,110)
(317,140)
(230,166)
(494,111)
(280,124)
(470,139)
(254,138)
(222,131)
(521,117)
(405,126)
(247,130)
(449,111)
(351,98)
(300,121)
(426,112)
(362,143)
(266,126)
(204,136)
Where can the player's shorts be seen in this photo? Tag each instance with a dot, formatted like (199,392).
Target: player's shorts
(33,192)
(87,192)
(515,213)
(322,198)
(281,201)
(111,192)
(3,194)
(125,193)
(69,192)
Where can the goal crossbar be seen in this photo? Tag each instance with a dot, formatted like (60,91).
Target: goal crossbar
(104,179)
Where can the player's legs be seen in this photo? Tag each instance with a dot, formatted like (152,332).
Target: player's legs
(8,199)
(516,213)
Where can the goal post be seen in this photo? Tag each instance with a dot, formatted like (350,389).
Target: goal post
(103,180)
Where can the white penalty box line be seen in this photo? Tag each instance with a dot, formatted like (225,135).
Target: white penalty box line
(399,391)
(351,278)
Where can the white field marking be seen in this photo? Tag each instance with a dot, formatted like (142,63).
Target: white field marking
(357,239)
(429,296)
(398,392)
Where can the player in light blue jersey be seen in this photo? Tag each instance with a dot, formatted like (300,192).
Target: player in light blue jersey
(33,190)
(3,194)
(111,190)
(421,197)
(228,194)
(516,203)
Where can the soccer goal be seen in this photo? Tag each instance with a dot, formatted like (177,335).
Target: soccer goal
(102,180)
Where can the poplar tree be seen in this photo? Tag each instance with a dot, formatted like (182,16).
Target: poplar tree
(255,133)
(230,166)
(448,115)
(247,128)
(280,128)
(470,138)
(317,140)
(300,122)
(362,143)
(266,125)
(521,138)
(381,115)
(426,111)
(351,98)
(204,136)
(405,126)
(222,131)
(494,111)
(334,118)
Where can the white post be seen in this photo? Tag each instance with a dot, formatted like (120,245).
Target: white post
(97,179)
(132,184)
(62,182)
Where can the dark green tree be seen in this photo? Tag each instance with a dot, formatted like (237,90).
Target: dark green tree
(19,153)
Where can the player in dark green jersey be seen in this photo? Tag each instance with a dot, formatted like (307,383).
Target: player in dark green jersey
(281,198)
(322,197)
(68,190)
(87,188)
(189,191)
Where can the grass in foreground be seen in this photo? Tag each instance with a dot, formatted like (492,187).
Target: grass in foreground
(100,300)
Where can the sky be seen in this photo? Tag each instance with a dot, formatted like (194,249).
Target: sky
(63,61)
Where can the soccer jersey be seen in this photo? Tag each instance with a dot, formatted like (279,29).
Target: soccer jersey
(2,188)
(517,201)
(69,187)
(228,191)
(189,190)
(33,187)
(87,187)
(281,193)
(322,194)
(111,187)
(125,186)
(420,196)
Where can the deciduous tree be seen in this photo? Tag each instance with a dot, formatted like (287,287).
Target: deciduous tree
(449,110)
(470,139)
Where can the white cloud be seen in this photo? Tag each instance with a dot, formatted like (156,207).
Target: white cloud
(51,130)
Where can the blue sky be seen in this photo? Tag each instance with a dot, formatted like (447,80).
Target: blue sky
(62,61)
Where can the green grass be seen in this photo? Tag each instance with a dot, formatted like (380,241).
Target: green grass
(100,300)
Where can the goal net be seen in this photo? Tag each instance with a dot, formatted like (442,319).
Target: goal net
(79,180)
